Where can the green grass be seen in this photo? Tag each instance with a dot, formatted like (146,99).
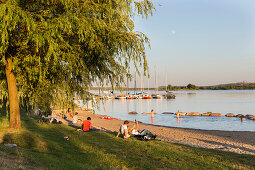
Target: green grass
(45,148)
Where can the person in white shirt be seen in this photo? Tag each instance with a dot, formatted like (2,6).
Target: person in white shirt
(75,118)
(124,130)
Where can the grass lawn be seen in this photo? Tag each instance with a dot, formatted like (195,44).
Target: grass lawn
(44,147)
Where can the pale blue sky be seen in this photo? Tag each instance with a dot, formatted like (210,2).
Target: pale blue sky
(203,42)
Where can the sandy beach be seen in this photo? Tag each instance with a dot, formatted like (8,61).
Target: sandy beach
(233,141)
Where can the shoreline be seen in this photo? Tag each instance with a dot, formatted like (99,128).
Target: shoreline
(187,128)
(180,90)
(242,142)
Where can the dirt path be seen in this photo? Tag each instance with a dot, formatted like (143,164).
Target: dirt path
(240,142)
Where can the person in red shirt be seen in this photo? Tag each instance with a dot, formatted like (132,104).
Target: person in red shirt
(86,125)
(69,113)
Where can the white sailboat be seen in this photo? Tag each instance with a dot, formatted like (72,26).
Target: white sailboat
(156,95)
(147,95)
(168,95)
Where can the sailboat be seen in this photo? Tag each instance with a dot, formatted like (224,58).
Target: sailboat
(121,96)
(156,95)
(140,95)
(147,95)
(168,95)
(135,95)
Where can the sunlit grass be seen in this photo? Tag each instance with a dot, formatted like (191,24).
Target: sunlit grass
(44,147)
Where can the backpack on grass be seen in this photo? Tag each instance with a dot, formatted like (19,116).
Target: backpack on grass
(145,134)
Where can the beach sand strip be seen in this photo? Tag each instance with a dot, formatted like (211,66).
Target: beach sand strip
(233,141)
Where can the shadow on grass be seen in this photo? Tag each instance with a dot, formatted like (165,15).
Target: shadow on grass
(4,109)
(45,146)
(49,138)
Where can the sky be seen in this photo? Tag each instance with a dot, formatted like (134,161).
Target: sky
(203,42)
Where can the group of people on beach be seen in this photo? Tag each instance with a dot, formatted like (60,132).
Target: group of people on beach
(85,124)
(126,131)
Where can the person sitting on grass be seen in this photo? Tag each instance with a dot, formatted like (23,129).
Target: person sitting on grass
(64,116)
(124,130)
(86,125)
(75,118)
(69,113)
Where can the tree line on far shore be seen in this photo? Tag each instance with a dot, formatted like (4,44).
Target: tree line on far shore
(232,86)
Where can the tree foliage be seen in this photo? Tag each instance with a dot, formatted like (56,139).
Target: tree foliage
(191,86)
(59,48)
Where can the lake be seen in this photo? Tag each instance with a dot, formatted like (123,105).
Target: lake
(216,101)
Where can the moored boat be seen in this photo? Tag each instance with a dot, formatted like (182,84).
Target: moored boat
(169,95)
(146,96)
(121,96)
(130,96)
(156,96)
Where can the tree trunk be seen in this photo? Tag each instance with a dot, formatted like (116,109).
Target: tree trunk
(13,95)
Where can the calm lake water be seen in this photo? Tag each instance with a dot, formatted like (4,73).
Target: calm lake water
(221,101)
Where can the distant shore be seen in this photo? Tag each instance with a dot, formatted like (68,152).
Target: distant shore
(234,141)
(229,86)
(153,89)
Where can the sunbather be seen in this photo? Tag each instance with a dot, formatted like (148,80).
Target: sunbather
(135,128)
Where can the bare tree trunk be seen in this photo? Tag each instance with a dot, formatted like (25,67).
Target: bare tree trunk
(13,96)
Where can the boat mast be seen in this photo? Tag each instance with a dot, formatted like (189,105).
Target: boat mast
(148,83)
(166,80)
(127,87)
(155,80)
(142,83)
(135,84)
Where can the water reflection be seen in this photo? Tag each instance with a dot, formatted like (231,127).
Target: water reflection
(152,120)
(178,120)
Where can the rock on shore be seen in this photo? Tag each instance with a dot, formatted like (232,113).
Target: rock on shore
(240,115)
(167,113)
(207,114)
(193,114)
(230,115)
(251,117)
(132,113)
(182,113)
(216,114)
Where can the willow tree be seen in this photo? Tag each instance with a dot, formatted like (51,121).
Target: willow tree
(52,48)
